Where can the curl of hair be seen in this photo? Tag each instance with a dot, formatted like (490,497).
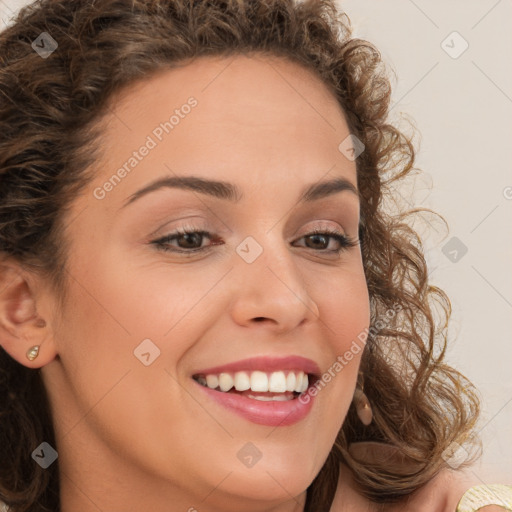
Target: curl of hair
(49,139)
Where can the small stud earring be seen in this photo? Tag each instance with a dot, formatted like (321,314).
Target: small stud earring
(32,352)
(363,407)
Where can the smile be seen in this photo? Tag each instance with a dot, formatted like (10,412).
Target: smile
(281,385)
(258,394)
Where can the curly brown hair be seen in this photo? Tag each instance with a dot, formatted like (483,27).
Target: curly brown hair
(49,110)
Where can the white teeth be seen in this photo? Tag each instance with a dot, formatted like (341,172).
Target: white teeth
(281,398)
(298,382)
(225,382)
(212,381)
(242,381)
(290,382)
(277,382)
(302,382)
(305,383)
(276,398)
(259,381)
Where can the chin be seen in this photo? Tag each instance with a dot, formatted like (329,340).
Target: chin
(270,481)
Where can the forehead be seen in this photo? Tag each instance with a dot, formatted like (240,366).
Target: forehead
(255,120)
(233,85)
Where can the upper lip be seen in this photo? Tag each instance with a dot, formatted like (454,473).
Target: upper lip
(265,364)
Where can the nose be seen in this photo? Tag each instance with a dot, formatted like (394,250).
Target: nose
(271,290)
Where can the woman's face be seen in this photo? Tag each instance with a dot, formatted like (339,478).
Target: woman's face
(142,319)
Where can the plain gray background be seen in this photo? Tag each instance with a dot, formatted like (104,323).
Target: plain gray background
(461,104)
(462,108)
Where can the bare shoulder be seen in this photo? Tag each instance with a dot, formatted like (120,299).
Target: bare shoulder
(441,494)
(444,492)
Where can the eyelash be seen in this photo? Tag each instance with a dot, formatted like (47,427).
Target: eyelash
(163,243)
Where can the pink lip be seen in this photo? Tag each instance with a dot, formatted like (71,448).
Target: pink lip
(264,413)
(265,364)
(273,414)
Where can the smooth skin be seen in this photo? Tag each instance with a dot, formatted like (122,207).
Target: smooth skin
(132,437)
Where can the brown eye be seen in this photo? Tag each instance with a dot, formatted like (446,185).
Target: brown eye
(319,240)
(190,240)
(187,241)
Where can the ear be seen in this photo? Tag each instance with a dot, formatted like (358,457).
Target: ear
(21,325)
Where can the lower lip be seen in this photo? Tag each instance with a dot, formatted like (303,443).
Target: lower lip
(273,414)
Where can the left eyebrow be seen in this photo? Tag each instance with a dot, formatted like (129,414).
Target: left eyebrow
(230,192)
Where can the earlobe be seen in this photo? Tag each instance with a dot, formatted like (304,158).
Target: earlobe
(24,334)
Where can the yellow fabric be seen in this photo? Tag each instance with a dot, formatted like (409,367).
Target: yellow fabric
(482,495)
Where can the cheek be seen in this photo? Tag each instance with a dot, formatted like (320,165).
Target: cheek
(344,309)
(110,311)
(159,297)
(116,297)
(345,314)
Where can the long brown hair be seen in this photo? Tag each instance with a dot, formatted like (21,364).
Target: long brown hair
(48,112)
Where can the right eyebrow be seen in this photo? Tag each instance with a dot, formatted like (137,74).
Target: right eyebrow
(230,192)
